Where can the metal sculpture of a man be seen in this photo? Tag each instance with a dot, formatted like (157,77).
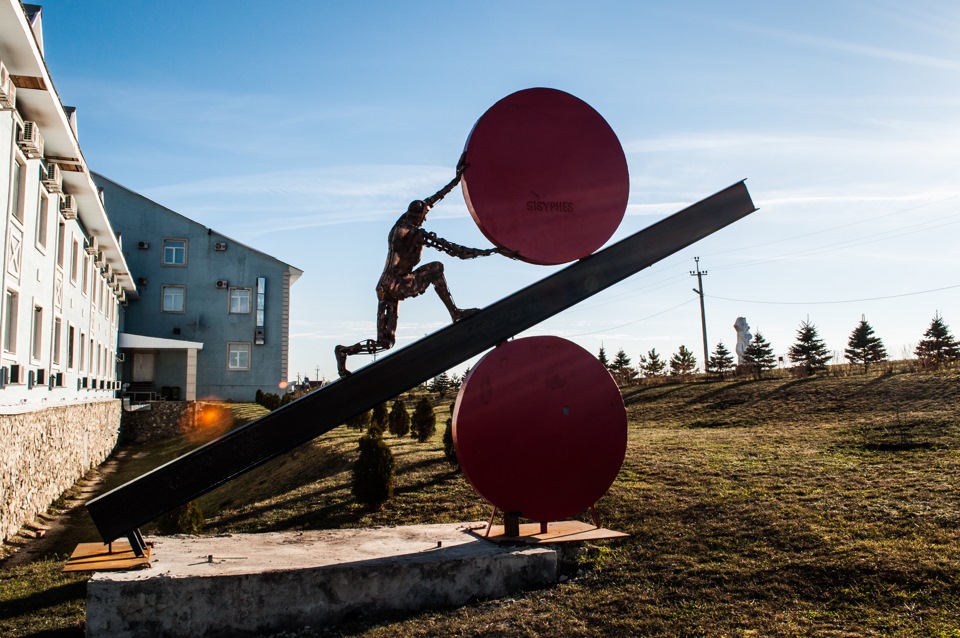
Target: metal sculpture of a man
(401,279)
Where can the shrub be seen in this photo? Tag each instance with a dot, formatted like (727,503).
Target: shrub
(373,471)
(378,419)
(399,420)
(186,519)
(361,421)
(424,420)
(449,451)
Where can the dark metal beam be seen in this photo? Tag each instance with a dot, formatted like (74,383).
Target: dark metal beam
(122,510)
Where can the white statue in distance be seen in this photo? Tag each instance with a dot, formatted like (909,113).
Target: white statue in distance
(743,338)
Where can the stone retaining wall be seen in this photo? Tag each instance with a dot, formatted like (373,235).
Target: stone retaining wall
(158,420)
(44,452)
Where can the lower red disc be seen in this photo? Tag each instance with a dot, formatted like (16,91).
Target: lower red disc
(540,428)
(547,177)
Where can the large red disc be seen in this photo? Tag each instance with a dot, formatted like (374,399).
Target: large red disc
(547,177)
(540,428)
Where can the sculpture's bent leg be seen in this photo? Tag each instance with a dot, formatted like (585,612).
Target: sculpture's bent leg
(387,313)
(432,273)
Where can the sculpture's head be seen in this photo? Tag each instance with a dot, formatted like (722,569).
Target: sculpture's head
(417,211)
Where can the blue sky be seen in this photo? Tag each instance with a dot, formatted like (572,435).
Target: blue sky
(303,129)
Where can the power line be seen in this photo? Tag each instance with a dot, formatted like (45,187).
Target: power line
(899,211)
(815,303)
(630,323)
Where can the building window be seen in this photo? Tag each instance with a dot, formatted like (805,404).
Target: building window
(57,340)
(11,307)
(61,239)
(173,298)
(240,301)
(238,356)
(174,252)
(37,350)
(71,346)
(42,221)
(81,346)
(74,261)
(17,186)
(86,274)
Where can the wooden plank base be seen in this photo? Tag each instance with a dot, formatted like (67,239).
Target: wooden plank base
(98,557)
(558,532)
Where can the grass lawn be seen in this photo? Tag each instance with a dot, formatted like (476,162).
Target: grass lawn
(824,506)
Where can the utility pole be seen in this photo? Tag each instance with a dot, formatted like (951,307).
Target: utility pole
(703,312)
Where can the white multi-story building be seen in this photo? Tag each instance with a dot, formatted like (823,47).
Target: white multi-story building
(63,281)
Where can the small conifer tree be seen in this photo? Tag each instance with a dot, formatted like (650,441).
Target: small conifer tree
(720,361)
(602,356)
(863,346)
(938,346)
(361,421)
(449,450)
(621,368)
(378,419)
(399,420)
(682,362)
(373,470)
(424,423)
(758,355)
(186,519)
(652,365)
(441,384)
(809,351)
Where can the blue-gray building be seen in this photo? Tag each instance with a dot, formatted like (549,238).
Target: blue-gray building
(212,316)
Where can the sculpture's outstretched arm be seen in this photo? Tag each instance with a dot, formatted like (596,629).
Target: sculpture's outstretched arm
(440,194)
(455,250)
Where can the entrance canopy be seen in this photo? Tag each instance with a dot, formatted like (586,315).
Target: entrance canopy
(136,343)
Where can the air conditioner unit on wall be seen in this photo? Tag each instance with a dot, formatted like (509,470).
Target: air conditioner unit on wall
(8,92)
(121,357)
(220,246)
(143,245)
(93,247)
(31,142)
(54,179)
(98,259)
(68,206)
(141,281)
(222,283)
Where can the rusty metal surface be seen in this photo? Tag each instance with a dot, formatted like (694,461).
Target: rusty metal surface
(100,557)
(547,176)
(540,428)
(127,507)
(560,532)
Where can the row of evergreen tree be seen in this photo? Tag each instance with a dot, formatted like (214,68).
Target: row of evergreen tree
(809,352)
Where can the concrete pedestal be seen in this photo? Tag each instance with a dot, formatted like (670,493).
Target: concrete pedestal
(255,583)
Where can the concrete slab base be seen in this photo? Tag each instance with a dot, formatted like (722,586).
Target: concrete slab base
(249,584)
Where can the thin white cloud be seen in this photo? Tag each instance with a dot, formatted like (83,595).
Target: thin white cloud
(864,50)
